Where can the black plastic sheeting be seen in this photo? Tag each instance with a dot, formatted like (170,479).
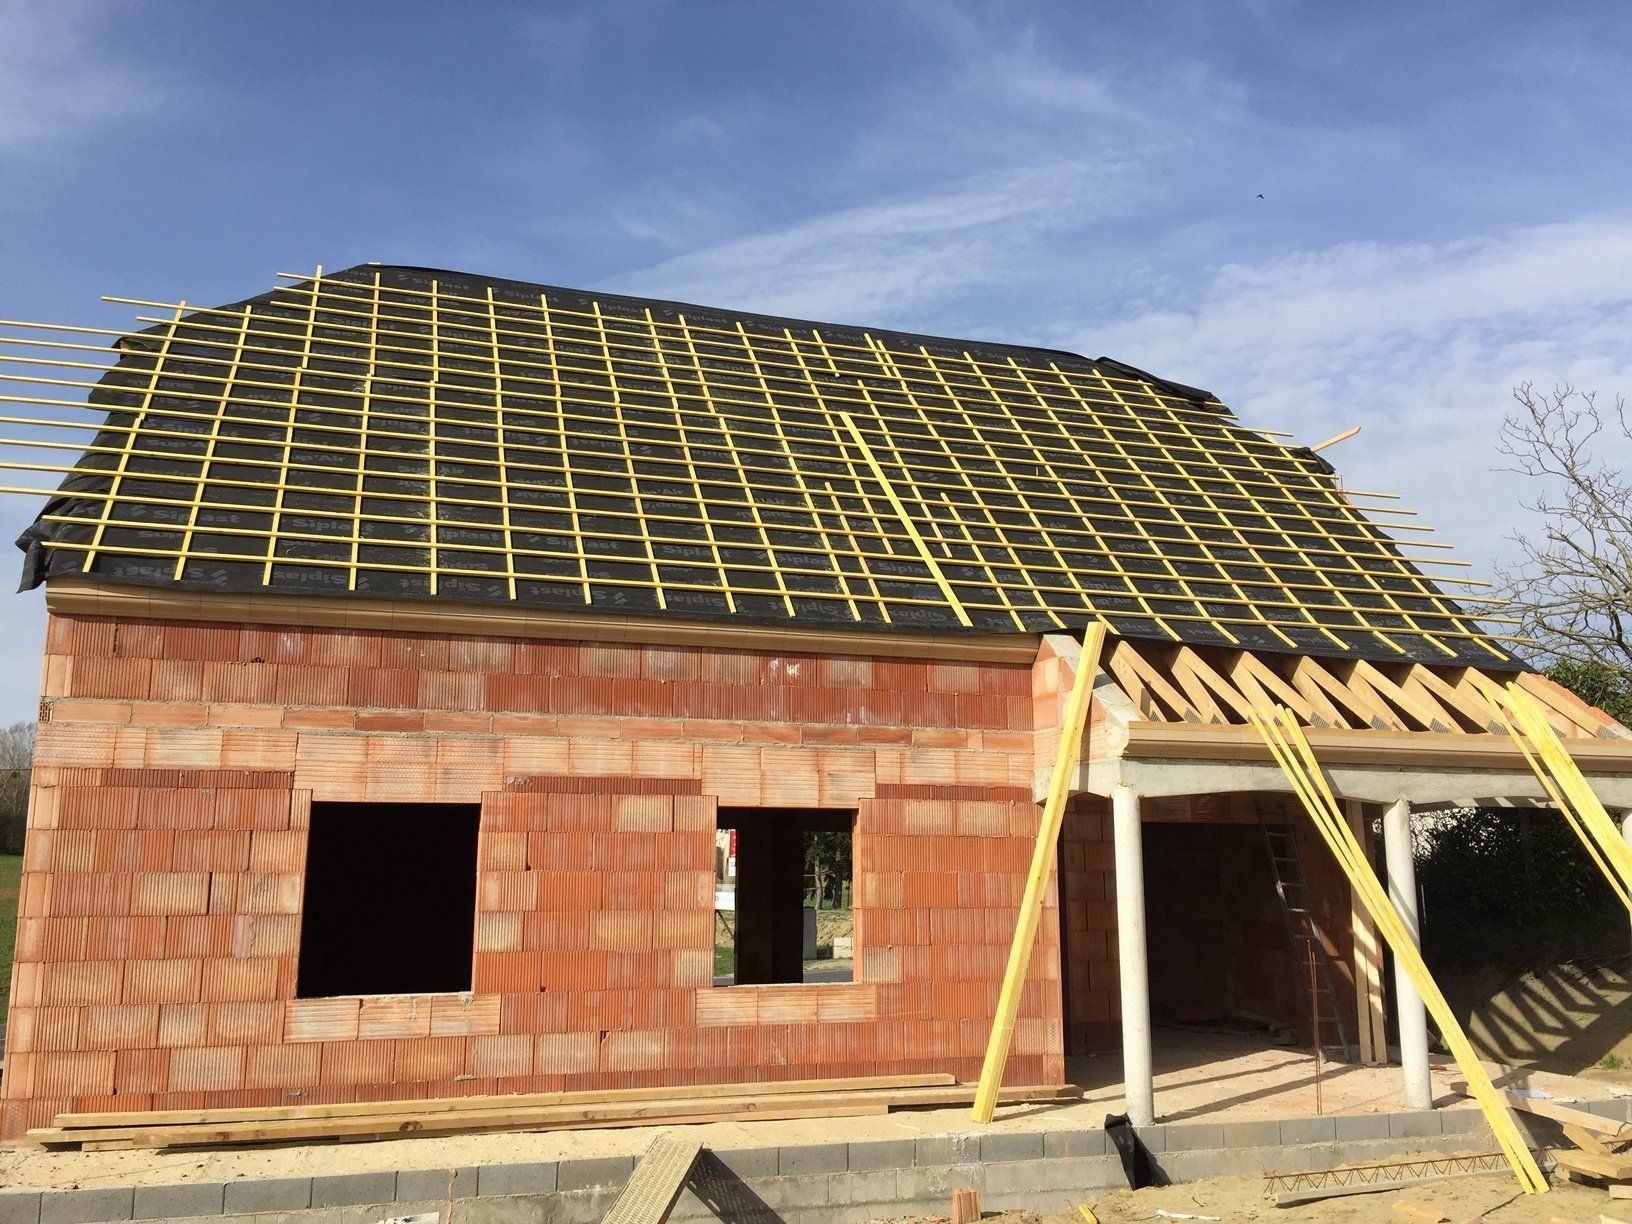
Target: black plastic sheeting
(587,491)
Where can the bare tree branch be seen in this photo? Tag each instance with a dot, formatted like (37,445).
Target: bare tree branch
(1572,587)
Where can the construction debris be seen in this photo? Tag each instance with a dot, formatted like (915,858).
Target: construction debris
(648,1196)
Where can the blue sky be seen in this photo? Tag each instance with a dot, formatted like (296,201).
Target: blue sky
(1444,204)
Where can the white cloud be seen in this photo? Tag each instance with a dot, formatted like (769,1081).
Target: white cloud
(1421,344)
(877,261)
(55,81)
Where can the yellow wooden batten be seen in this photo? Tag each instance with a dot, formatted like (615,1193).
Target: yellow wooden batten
(1074,722)
(1281,731)
(573,449)
(1544,751)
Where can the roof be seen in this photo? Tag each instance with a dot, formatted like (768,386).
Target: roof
(407,432)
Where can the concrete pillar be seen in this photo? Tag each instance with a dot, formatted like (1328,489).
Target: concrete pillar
(1413,1017)
(1132,959)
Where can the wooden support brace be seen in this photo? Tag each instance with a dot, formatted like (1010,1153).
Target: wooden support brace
(1042,863)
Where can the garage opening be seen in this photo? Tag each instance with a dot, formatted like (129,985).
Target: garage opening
(783,896)
(390,903)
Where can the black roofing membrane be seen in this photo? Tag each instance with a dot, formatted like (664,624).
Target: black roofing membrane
(1000,469)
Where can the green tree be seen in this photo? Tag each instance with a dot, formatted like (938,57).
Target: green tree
(1597,684)
(16,761)
(827,866)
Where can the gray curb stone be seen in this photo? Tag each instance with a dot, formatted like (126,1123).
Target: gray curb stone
(590,1174)
(510,1179)
(435,1185)
(353,1189)
(86,1206)
(273,1194)
(176,1202)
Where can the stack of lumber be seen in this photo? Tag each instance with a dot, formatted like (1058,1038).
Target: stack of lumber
(355,1121)
(1602,1148)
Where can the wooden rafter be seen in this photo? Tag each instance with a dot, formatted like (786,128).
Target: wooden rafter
(1217,686)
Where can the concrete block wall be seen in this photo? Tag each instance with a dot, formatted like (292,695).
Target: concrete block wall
(163,875)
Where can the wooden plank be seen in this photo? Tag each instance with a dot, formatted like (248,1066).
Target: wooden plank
(1367,944)
(649,1194)
(1191,661)
(1590,719)
(1586,1140)
(1125,657)
(1545,1108)
(1461,696)
(611,1096)
(1312,675)
(359,1134)
(409,1122)
(1420,706)
(1610,1168)
(1245,667)
(1163,741)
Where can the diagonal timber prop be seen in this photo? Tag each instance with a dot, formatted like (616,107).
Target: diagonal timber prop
(1291,750)
(1527,723)
(1042,862)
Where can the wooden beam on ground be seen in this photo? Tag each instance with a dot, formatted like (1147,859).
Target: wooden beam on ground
(1544,1108)
(471,1104)
(406,1121)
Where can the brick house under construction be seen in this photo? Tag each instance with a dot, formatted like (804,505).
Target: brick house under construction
(412,635)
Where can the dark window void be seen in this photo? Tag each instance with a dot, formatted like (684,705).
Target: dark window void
(390,899)
(784,896)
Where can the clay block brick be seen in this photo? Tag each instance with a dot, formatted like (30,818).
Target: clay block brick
(172,892)
(140,1071)
(83,1073)
(361,1062)
(206,1069)
(275,851)
(464,1016)
(322,1019)
(395,1016)
(80,982)
(502,1055)
(245,1024)
(565,1053)
(228,980)
(433,1059)
(263,935)
(119,1026)
(498,933)
(283,1066)
(632,1051)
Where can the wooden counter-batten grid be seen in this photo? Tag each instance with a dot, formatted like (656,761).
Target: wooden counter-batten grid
(1271,540)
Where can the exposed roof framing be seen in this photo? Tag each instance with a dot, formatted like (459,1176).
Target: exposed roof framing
(402,432)
(1207,686)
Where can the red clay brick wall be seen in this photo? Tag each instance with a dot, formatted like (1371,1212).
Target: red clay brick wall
(1215,932)
(177,763)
